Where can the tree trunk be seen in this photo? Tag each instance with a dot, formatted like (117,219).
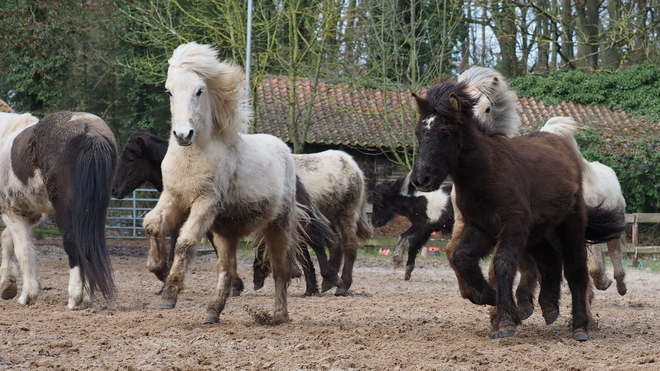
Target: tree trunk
(542,38)
(567,41)
(505,30)
(610,47)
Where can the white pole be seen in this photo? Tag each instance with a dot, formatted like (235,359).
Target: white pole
(248,48)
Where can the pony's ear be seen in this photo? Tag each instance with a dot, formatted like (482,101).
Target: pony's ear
(422,103)
(495,81)
(453,100)
(141,142)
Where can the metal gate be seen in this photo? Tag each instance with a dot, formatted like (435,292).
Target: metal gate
(124,217)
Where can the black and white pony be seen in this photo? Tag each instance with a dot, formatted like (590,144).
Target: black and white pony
(62,164)
(427,212)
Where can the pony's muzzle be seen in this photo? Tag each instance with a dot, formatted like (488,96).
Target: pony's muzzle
(184,139)
(423,182)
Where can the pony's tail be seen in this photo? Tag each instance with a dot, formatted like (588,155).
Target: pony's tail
(604,224)
(364,231)
(565,127)
(97,158)
(314,229)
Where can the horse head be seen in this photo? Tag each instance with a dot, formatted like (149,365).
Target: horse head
(207,97)
(443,114)
(381,200)
(139,163)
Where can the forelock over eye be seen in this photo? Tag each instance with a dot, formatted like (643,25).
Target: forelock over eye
(199,92)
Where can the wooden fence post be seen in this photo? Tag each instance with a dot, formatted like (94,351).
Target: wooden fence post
(635,239)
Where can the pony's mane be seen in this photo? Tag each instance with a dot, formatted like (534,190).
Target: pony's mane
(439,95)
(156,148)
(10,122)
(504,102)
(231,108)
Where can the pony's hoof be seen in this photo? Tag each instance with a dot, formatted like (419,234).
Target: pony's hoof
(166,306)
(502,334)
(9,290)
(341,292)
(602,284)
(620,288)
(211,320)
(550,316)
(328,284)
(258,286)
(526,313)
(580,335)
(408,273)
(280,318)
(235,292)
(309,293)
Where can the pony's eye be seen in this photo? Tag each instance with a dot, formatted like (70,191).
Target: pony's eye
(488,110)
(199,92)
(168,92)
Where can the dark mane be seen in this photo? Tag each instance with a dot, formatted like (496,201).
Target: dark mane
(438,97)
(383,192)
(156,146)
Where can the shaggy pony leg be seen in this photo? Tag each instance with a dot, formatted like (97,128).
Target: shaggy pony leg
(549,266)
(349,251)
(527,286)
(8,269)
(596,264)
(161,219)
(571,235)
(278,243)
(464,256)
(21,230)
(417,240)
(201,217)
(615,249)
(227,272)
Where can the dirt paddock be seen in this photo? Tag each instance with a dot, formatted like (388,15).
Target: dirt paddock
(385,324)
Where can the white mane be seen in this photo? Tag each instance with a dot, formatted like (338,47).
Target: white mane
(12,122)
(500,111)
(231,108)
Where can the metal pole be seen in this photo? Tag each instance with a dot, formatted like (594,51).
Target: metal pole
(248,47)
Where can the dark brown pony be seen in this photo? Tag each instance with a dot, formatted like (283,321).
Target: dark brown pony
(140,162)
(517,196)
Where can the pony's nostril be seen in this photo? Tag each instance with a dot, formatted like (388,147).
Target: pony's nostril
(190,134)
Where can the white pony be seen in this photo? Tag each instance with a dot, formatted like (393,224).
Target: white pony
(497,111)
(217,178)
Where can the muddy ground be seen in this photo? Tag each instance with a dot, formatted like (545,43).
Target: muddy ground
(385,324)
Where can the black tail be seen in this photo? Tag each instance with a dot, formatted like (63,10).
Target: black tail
(91,195)
(604,225)
(317,232)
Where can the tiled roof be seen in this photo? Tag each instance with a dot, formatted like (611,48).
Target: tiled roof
(535,113)
(356,117)
(341,114)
